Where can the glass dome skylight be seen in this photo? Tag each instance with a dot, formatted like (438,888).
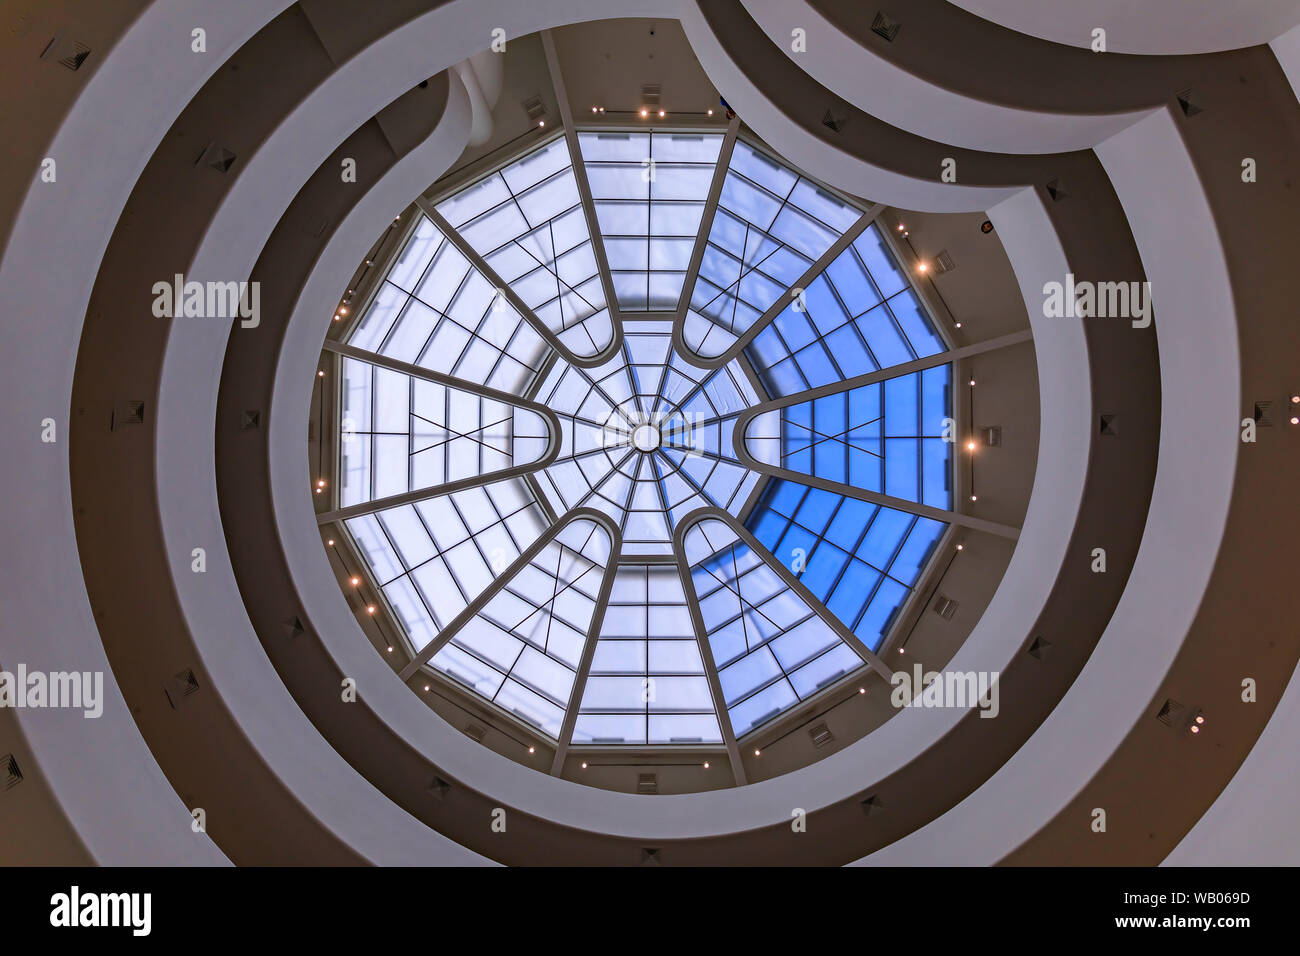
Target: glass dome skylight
(664,519)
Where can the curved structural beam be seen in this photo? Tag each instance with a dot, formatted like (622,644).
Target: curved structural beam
(851,68)
(1171,27)
(1201,382)
(822,158)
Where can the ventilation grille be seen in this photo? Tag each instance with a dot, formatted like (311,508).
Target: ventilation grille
(183,685)
(12,775)
(885,26)
(535,108)
(130,412)
(992,435)
(834,121)
(66,52)
(651,93)
(943,263)
(1264,414)
(821,735)
(945,607)
(1169,711)
(216,156)
(647,783)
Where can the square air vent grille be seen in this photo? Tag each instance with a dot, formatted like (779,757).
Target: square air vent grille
(943,262)
(647,783)
(885,26)
(65,52)
(651,93)
(535,108)
(821,735)
(9,772)
(945,607)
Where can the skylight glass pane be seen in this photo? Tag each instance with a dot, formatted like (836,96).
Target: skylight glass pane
(527,223)
(858,316)
(435,310)
(432,558)
(649,189)
(647,683)
(523,649)
(401,434)
(770,226)
(859,559)
(690,411)
(887,437)
(770,647)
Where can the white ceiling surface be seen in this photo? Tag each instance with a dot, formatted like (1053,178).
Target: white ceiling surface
(907,101)
(833,166)
(1287,50)
(1200,380)
(106,781)
(1145,26)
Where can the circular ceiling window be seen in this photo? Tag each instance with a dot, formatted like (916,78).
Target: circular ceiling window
(650,463)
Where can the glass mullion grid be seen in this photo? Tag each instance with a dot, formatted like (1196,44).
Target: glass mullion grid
(440,551)
(648,671)
(561,583)
(733,583)
(554,269)
(851,554)
(772,333)
(447,316)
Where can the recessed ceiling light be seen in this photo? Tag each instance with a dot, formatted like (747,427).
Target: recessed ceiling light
(584,765)
(370,609)
(706,765)
(644,112)
(356,581)
(330,543)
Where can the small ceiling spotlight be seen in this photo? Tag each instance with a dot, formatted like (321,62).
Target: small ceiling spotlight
(757,752)
(956,325)
(602,109)
(320,483)
(922,267)
(319,490)
(426,688)
(370,609)
(973,498)
(533,750)
(329,543)
(1295,420)
(356,582)
(862,690)
(706,765)
(662,114)
(970,445)
(1195,729)
(593,109)
(710,112)
(902,650)
(644,112)
(343,310)
(1295,399)
(972,381)
(320,374)
(961,547)
(541,122)
(390,650)
(900,227)
(337,317)
(1200,718)
(584,765)
(370,262)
